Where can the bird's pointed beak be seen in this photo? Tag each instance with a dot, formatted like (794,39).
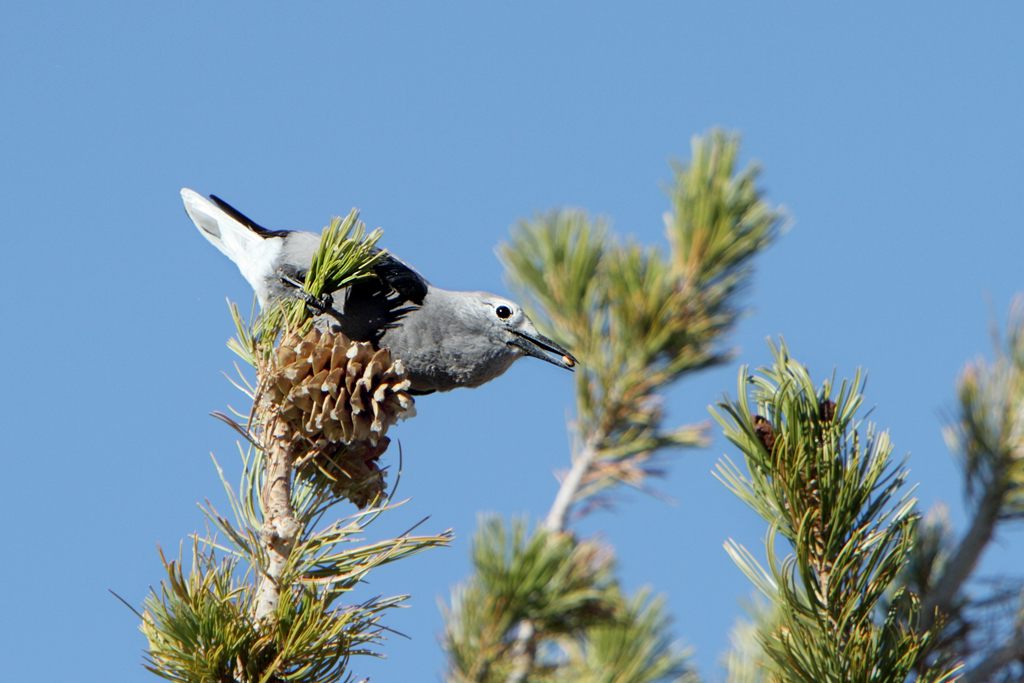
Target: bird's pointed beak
(537,345)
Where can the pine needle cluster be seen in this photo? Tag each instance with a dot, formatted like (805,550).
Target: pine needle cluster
(564,590)
(983,616)
(557,584)
(825,484)
(346,255)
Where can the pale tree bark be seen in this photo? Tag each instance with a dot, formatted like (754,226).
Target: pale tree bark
(963,561)
(280,529)
(566,495)
(524,652)
(524,648)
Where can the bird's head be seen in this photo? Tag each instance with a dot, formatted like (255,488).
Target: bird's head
(508,324)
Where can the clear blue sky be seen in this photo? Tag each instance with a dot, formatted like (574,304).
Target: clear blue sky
(893,136)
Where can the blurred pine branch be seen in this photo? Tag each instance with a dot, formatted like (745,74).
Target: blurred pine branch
(638,319)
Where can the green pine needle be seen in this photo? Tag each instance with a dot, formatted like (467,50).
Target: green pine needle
(346,255)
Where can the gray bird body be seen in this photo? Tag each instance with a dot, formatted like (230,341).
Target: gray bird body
(446,339)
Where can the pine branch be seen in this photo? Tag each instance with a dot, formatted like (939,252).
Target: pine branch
(570,487)
(745,662)
(280,529)
(989,439)
(555,585)
(964,559)
(638,322)
(634,646)
(1013,650)
(523,653)
(825,484)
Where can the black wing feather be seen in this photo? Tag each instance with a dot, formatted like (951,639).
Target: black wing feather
(403,279)
(245,220)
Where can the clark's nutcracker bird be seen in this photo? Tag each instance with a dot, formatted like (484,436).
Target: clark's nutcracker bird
(445,339)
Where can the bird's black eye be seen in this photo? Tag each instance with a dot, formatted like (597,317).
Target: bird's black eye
(503,312)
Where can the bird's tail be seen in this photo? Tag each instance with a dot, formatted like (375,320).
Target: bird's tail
(222,230)
(249,247)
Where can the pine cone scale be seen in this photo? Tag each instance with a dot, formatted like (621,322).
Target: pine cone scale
(339,398)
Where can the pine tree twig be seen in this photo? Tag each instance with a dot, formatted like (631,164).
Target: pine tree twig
(988,438)
(555,521)
(964,559)
(523,652)
(523,649)
(1014,649)
(280,528)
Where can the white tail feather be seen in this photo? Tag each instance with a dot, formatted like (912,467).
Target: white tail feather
(254,255)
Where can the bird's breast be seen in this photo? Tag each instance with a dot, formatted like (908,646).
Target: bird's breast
(442,363)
